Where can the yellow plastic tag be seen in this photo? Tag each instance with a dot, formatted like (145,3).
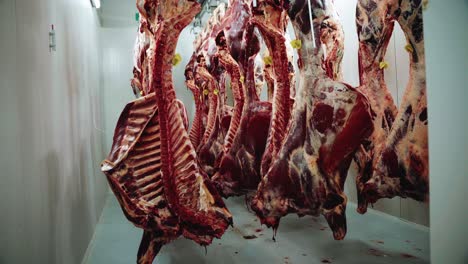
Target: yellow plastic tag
(215,91)
(409,48)
(141,92)
(383,65)
(267,60)
(425,3)
(296,44)
(206,92)
(177,59)
(242,79)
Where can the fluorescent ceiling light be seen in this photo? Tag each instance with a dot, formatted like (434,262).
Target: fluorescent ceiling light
(96,3)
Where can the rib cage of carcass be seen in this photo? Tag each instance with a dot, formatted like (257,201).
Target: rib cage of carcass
(293,151)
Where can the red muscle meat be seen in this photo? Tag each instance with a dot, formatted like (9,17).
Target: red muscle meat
(142,51)
(211,146)
(400,165)
(232,68)
(330,120)
(239,168)
(198,125)
(270,18)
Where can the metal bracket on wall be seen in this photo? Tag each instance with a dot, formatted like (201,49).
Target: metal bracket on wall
(52,43)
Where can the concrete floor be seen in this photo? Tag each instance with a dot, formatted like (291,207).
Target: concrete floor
(373,238)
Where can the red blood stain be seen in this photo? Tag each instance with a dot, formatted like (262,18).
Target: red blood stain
(258,230)
(406,255)
(376,252)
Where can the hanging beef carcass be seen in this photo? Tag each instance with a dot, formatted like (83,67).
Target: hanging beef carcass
(211,90)
(199,121)
(374,32)
(200,209)
(400,166)
(239,168)
(211,147)
(219,114)
(152,167)
(330,120)
(232,68)
(271,19)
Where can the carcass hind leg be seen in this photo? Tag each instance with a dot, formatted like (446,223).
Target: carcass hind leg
(149,248)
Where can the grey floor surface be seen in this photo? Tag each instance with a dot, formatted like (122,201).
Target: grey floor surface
(372,238)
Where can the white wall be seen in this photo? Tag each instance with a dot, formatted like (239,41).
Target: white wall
(52,191)
(116,47)
(446,36)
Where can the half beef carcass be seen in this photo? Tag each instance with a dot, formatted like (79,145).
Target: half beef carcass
(374,33)
(271,19)
(239,168)
(200,209)
(199,121)
(330,120)
(152,167)
(237,87)
(401,161)
(211,147)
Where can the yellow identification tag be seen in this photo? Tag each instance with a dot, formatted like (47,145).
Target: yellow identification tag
(215,92)
(242,79)
(141,92)
(177,59)
(206,92)
(383,65)
(425,3)
(296,44)
(267,60)
(409,48)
